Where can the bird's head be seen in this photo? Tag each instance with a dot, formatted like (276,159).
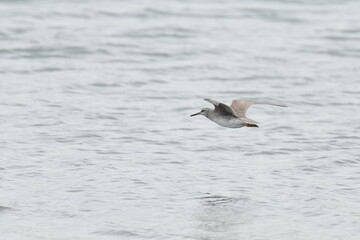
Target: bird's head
(204,111)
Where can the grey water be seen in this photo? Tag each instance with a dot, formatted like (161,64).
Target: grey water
(96,141)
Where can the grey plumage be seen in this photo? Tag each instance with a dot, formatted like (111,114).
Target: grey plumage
(233,116)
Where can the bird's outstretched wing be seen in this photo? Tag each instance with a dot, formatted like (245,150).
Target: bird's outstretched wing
(221,107)
(240,107)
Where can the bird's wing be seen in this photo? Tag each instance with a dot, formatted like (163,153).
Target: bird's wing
(221,107)
(215,103)
(241,106)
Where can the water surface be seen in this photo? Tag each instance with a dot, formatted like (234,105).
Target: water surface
(96,140)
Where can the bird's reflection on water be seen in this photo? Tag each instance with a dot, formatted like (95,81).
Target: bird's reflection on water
(221,217)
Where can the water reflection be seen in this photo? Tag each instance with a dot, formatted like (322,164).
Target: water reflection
(222,217)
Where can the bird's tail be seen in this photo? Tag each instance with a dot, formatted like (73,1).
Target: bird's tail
(250,125)
(247,122)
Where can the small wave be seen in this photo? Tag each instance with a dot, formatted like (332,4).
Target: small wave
(5,209)
(122,233)
(213,199)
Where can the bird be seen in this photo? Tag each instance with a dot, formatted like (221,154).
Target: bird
(233,116)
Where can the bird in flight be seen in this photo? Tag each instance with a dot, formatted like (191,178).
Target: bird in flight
(233,116)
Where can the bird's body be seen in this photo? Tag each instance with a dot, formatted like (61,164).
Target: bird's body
(233,116)
(225,120)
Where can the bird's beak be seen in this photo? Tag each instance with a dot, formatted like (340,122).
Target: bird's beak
(195,114)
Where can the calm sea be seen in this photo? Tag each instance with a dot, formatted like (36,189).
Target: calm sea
(96,141)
